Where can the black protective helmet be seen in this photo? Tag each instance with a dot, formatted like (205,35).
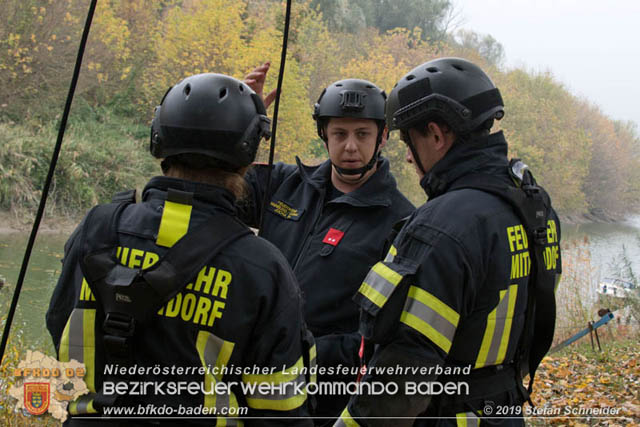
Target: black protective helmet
(356,98)
(210,114)
(451,89)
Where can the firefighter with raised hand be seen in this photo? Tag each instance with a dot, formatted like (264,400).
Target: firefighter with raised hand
(331,221)
(172,304)
(465,297)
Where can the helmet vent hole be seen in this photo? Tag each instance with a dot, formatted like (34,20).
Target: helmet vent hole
(411,77)
(432,69)
(339,85)
(223,93)
(187,89)
(369,87)
(241,88)
(457,67)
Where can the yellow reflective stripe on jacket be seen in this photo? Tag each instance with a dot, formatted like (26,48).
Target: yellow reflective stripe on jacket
(83,405)
(498,330)
(431,317)
(380,283)
(558,278)
(85,291)
(79,342)
(346,420)
(173,224)
(313,362)
(391,254)
(214,353)
(467,419)
(276,391)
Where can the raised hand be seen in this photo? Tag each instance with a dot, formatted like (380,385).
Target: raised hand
(255,80)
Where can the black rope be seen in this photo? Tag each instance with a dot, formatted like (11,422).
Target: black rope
(47,184)
(283,58)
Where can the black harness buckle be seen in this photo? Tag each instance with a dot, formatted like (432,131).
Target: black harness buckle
(118,329)
(540,236)
(119,324)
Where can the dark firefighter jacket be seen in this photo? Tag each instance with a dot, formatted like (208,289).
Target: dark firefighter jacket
(242,311)
(451,292)
(331,244)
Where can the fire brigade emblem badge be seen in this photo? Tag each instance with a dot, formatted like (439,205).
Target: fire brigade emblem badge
(36,397)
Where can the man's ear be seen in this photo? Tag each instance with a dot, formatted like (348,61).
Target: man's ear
(383,140)
(440,140)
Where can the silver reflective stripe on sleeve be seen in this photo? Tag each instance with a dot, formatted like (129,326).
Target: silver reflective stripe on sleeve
(380,283)
(346,420)
(215,354)
(391,254)
(467,419)
(431,317)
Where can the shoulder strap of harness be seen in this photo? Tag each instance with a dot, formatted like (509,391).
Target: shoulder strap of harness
(532,205)
(136,292)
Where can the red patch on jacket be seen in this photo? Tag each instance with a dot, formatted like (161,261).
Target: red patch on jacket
(333,237)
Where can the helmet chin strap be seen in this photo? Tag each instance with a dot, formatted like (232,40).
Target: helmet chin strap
(415,155)
(366,168)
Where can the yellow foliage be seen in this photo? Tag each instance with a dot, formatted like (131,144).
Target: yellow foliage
(138,48)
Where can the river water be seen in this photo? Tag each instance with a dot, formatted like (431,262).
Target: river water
(605,243)
(608,242)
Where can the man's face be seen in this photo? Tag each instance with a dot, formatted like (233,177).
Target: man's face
(351,143)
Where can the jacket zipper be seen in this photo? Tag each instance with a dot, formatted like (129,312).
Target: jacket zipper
(309,232)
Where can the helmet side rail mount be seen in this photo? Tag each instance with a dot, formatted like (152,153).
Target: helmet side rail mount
(456,114)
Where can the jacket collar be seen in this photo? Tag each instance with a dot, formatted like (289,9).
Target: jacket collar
(204,195)
(487,154)
(374,192)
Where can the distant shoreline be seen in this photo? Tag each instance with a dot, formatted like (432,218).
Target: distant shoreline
(11,223)
(16,223)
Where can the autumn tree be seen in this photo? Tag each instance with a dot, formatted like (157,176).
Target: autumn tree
(354,15)
(138,48)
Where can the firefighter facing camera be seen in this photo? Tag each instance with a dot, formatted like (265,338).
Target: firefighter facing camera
(464,300)
(331,220)
(174,303)
(339,104)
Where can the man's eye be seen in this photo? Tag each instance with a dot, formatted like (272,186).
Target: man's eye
(363,134)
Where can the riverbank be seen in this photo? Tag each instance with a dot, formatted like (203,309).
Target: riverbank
(11,222)
(597,216)
(23,223)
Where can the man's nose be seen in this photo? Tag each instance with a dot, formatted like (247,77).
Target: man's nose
(409,156)
(351,145)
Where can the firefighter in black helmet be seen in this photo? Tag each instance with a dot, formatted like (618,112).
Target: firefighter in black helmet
(331,220)
(176,289)
(465,297)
